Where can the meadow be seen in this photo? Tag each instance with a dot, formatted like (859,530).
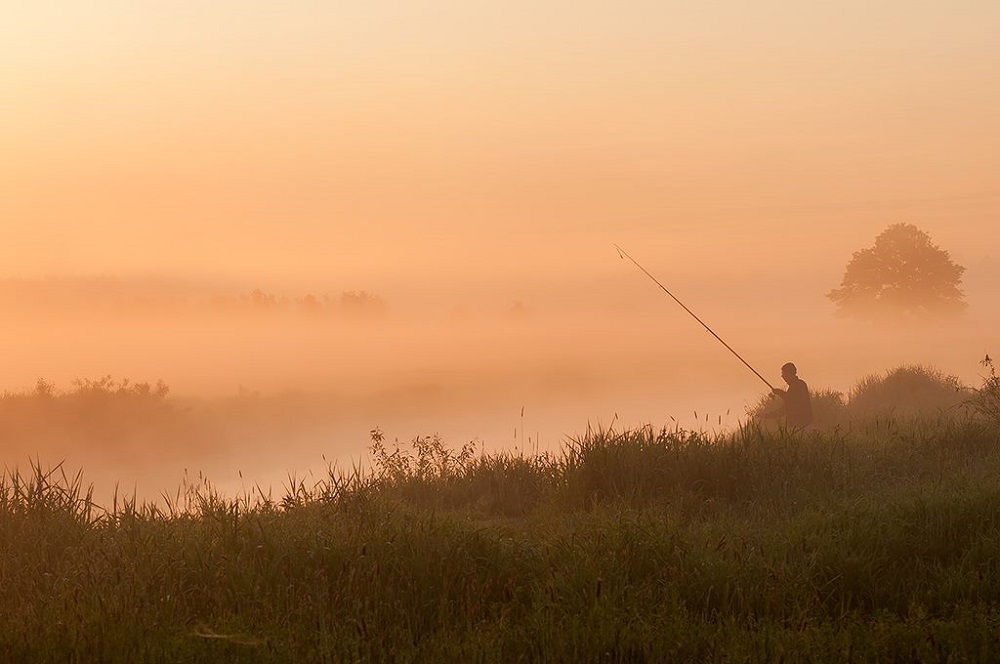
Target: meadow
(875,537)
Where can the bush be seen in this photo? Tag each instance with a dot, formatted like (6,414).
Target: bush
(828,406)
(903,391)
(906,390)
(985,401)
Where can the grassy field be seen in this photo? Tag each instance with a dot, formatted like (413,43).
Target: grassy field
(875,538)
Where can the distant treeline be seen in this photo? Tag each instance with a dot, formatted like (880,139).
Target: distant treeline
(110,420)
(112,294)
(348,302)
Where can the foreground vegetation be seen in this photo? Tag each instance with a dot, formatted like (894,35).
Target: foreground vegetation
(874,540)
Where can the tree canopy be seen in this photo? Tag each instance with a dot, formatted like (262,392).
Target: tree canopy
(902,274)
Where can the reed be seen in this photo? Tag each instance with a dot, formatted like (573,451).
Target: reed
(873,541)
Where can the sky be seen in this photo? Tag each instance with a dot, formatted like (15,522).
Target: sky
(436,141)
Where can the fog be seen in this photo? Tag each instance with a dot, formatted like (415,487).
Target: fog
(264,387)
(469,165)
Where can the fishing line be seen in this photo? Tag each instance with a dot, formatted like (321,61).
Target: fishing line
(624,254)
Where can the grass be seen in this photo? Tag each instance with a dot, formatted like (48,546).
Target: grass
(877,540)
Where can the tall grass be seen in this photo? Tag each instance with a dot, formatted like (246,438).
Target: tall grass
(878,540)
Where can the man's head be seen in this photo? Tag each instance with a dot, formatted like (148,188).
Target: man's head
(788,372)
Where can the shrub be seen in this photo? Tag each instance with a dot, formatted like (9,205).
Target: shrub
(906,390)
(828,406)
(985,401)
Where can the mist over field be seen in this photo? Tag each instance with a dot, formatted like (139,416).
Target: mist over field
(193,188)
(265,384)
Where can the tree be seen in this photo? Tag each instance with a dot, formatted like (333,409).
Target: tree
(903,274)
(361,303)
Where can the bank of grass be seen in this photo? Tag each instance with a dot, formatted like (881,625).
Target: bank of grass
(875,542)
(875,538)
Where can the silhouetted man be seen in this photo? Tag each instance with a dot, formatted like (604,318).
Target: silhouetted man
(797,407)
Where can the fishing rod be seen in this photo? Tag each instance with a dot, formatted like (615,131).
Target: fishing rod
(624,254)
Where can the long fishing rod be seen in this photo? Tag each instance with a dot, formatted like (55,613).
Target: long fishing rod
(624,254)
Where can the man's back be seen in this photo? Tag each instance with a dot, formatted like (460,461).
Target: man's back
(798,407)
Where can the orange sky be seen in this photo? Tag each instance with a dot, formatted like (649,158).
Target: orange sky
(368,141)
